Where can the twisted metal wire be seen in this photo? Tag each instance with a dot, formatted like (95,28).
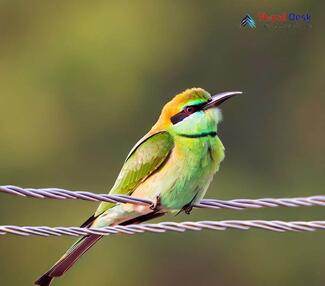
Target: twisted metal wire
(237,204)
(275,225)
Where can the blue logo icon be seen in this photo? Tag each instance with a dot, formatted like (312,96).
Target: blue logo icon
(248,21)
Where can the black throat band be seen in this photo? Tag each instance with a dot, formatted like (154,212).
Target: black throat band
(199,135)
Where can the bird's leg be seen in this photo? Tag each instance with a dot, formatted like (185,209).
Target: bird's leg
(187,208)
(156,205)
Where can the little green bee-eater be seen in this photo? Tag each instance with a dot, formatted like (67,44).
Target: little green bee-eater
(172,165)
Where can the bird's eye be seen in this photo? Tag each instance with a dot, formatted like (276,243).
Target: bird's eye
(186,111)
(189,109)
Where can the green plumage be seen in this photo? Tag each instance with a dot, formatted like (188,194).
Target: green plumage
(172,166)
(144,159)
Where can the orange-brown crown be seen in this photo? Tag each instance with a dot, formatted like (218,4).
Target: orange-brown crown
(188,97)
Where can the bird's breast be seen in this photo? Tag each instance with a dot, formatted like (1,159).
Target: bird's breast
(186,173)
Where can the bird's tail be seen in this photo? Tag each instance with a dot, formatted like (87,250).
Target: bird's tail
(68,259)
(81,246)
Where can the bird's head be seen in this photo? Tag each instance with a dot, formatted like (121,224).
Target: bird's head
(192,112)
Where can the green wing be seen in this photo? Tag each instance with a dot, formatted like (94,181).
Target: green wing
(145,157)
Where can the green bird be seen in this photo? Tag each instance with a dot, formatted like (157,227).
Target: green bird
(172,165)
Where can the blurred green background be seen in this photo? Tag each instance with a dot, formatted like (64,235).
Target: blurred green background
(81,82)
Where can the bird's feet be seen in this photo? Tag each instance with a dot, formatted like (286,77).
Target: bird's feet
(187,208)
(155,206)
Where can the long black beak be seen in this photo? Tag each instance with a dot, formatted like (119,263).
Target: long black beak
(219,98)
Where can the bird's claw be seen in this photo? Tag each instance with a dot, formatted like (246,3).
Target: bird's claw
(187,209)
(156,205)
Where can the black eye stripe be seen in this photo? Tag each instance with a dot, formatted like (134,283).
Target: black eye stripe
(183,114)
(178,117)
